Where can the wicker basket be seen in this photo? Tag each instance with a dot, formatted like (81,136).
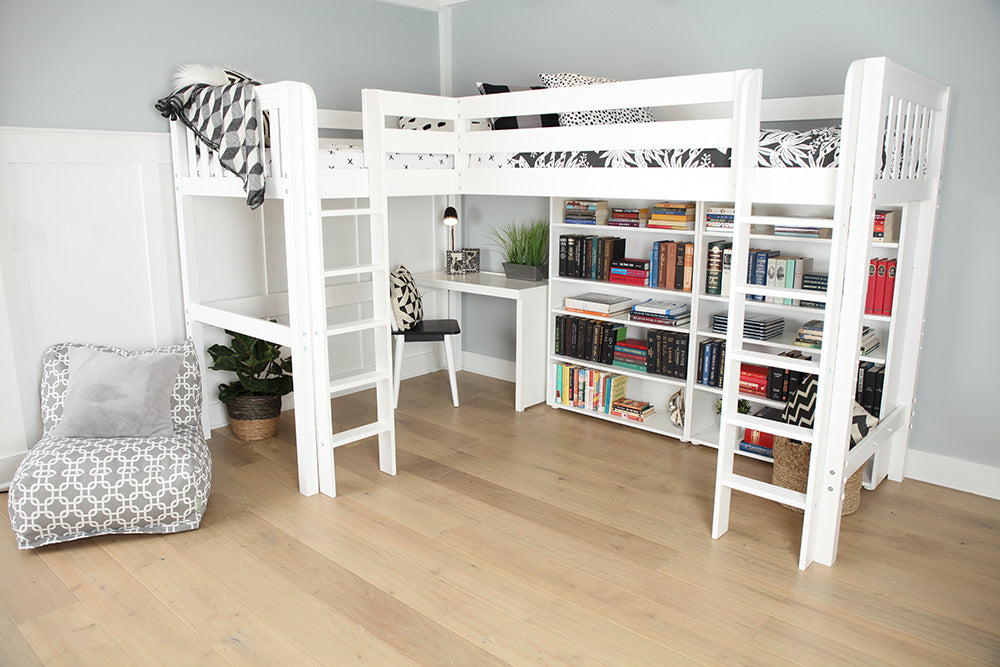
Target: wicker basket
(791,471)
(254,417)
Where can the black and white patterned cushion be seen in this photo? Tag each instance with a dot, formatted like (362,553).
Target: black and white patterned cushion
(516,122)
(407,307)
(861,422)
(604,117)
(71,488)
(419,123)
(800,409)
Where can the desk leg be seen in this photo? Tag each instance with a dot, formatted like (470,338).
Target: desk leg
(455,313)
(532,330)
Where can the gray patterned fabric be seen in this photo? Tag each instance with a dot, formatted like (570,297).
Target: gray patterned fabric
(71,488)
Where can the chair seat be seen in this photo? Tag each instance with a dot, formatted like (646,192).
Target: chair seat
(430,330)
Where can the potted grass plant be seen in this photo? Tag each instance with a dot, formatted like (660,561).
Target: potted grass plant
(524,248)
(263,376)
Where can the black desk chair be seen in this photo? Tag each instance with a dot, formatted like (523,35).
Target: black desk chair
(412,328)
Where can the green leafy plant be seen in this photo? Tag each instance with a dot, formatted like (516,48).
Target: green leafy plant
(260,369)
(523,243)
(743,407)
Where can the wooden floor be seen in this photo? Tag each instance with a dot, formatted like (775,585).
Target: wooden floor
(542,537)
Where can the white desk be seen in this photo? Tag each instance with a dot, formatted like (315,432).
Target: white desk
(532,309)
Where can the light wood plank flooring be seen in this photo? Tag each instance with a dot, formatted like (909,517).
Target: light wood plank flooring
(542,537)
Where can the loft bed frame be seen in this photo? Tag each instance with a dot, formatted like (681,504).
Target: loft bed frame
(886,111)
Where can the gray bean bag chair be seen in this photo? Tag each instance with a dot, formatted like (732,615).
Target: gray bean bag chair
(122,450)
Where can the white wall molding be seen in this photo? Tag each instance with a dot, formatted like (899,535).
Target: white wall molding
(958,474)
(480,364)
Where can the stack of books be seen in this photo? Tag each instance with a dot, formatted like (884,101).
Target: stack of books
(667,353)
(588,388)
(871,377)
(711,357)
(630,271)
(760,442)
(881,285)
(595,303)
(810,334)
(631,353)
(757,327)
(585,212)
(629,217)
(719,217)
(815,282)
(671,265)
(804,232)
(632,409)
(753,379)
(869,341)
(782,383)
(668,313)
(884,226)
(672,215)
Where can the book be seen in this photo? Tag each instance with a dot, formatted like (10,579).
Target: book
(659,307)
(751,448)
(727,270)
(881,268)
(815,282)
(600,304)
(688,278)
(884,227)
(890,287)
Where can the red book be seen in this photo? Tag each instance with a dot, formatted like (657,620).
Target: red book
(759,438)
(634,343)
(642,273)
(890,285)
(881,267)
(870,297)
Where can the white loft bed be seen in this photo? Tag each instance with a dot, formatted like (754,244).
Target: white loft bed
(882,105)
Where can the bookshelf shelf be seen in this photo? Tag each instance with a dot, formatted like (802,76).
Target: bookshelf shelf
(622,320)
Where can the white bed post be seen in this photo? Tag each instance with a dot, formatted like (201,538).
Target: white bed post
(918,234)
(373,120)
(857,165)
(297,188)
(189,260)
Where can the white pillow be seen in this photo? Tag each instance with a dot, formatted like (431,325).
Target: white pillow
(109,395)
(605,117)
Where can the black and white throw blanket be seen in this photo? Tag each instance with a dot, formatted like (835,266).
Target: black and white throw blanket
(225,119)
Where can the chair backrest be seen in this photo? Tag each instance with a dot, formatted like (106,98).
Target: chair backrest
(185,401)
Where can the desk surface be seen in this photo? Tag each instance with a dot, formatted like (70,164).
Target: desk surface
(489,284)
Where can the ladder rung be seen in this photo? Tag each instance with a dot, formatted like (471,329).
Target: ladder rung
(789,221)
(359,433)
(765,359)
(360,380)
(770,426)
(765,490)
(344,212)
(352,270)
(780,292)
(360,325)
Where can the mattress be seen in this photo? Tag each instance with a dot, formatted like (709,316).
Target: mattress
(778,148)
(818,147)
(352,156)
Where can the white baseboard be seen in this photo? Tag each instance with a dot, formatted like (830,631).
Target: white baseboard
(969,476)
(8,466)
(480,364)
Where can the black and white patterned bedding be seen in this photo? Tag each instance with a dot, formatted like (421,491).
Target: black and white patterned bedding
(778,148)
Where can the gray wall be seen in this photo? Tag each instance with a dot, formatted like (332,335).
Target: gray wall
(805,48)
(101,64)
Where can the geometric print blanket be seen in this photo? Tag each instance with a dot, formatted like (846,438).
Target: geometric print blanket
(224,118)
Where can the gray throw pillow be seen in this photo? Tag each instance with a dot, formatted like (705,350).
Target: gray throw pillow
(109,395)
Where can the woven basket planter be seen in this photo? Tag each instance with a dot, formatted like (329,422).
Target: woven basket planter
(254,417)
(791,471)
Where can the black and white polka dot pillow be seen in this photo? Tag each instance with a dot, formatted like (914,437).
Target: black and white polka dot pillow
(417,123)
(604,117)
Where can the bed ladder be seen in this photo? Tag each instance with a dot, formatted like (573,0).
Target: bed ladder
(822,501)
(303,205)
